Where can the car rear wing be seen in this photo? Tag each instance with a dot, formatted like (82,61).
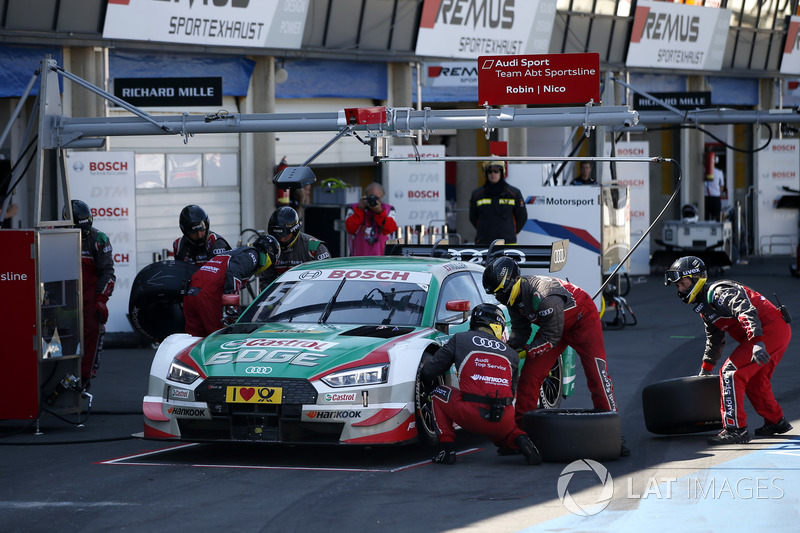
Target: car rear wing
(551,256)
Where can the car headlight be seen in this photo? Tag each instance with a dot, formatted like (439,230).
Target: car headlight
(367,375)
(182,373)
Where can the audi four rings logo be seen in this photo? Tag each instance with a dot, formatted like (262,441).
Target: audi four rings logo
(258,370)
(488,343)
(311,274)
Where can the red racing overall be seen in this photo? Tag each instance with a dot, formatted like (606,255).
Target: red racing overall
(486,369)
(222,274)
(97,270)
(566,316)
(749,318)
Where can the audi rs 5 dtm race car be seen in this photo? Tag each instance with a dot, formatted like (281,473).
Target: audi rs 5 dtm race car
(328,353)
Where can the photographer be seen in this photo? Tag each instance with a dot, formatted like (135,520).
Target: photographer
(370,222)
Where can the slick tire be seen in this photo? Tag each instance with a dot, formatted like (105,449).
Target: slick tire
(155,307)
(566,435)
(682,405)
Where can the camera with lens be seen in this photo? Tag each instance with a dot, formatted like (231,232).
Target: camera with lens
(373,201)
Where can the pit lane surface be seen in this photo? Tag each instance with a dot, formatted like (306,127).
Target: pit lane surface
(99,478)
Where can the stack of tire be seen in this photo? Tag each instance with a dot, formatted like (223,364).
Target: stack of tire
(155,307)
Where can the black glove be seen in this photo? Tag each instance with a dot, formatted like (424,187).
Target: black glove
(760,354)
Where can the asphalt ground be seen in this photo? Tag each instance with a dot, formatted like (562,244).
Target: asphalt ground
(98,477)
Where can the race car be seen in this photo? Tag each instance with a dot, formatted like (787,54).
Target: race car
(328,353)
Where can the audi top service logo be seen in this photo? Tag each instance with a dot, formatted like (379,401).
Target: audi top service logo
(491,344)
(258,370)
(595,504)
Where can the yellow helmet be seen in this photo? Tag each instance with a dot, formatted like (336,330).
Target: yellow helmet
(495,163)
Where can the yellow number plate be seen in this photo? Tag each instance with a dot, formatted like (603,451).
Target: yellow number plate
(253,394)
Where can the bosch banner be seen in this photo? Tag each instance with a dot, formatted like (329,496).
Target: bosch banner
(251,23)
(416,189)
(667,35)
(636,177)
(105,181)
(539,79)
(777,167)
(468,29)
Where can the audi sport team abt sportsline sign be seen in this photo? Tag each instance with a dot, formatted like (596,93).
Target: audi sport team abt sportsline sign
(539,79)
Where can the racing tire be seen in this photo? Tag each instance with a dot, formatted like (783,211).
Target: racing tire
(423,406)
(550,393)
(566,435)
(155,307)
(682,405)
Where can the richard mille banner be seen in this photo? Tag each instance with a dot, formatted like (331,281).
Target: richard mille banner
(470,28)
(674,36)
(252,23)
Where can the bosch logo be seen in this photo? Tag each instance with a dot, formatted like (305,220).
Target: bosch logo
(488,343)
(399,194)
(258,370)
(105,166)
(311,274)
(423,194)
(77,166)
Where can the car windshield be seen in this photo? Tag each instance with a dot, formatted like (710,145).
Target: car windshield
(340,301)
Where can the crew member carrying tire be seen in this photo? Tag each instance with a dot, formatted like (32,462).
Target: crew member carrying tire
(487,375)
(763,334)
(566,316)
(225,273)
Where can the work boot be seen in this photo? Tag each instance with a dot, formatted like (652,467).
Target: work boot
(731,435)
(445,454)
(528,449)
(507,451)
(779,428)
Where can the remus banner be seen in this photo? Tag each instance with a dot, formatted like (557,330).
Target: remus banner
(467,29)
(674,36)
(252,23)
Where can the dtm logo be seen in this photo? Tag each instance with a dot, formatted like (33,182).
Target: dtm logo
(263,370)
(488,343)
(333,414)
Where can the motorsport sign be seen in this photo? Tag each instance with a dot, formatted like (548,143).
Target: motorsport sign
(539,79)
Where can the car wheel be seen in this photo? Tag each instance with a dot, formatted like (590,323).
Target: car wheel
(682,405)
(426,426)
(550,393)
(566,435)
